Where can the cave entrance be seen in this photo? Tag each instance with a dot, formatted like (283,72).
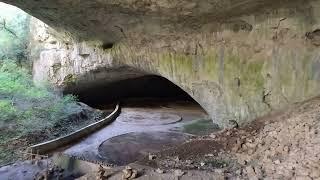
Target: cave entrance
(148,90)
(149,100)
(155,113)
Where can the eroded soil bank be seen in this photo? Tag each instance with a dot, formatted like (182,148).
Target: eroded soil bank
(285,145)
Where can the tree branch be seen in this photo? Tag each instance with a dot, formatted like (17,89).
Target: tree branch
(4,27)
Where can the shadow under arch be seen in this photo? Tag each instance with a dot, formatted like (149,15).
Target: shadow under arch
(155,113)
(148,88)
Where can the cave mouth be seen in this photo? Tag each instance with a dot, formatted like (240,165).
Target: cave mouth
(155,114)
(147,90)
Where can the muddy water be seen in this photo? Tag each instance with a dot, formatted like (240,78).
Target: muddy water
(139,130)
(133,146)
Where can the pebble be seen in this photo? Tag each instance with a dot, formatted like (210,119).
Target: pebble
(178,172)
(218,171)
(209,155)
(129,173)
(190,173)
(238,172)
(189,162)
(152,157)
(177,159)
(160,171)
(134,174)
(213,136)
(242,162)
(277,161)
(126,174)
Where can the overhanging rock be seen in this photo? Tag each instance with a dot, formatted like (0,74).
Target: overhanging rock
(238,59)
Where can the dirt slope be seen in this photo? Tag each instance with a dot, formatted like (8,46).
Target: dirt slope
(285,145)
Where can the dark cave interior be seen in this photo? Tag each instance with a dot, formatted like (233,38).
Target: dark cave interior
(149,88)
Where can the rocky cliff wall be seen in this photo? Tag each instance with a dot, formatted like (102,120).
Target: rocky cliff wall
(237,60)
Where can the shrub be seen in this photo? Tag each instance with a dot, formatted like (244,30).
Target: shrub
(28,106)
(8,111)
(26,110)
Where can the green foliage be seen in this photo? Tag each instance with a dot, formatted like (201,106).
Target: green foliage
(26,105)
(16,81)
(26,110)
(8,111)
(13,38)
(218,163)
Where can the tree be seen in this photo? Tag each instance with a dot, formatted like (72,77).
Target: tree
(14,33)
(3,26)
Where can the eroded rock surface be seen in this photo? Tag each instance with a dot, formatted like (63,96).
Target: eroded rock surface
(238,59)
(114,20)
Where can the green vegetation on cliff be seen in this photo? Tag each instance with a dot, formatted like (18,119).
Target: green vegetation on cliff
(29,114)
(16,87)
(26,108)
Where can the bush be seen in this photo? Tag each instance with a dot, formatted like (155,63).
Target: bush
(26,105)
(7,110)
(16,81)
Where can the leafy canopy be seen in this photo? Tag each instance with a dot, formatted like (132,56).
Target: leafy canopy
(14,30)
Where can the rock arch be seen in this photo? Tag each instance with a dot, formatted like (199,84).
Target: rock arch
(239,62)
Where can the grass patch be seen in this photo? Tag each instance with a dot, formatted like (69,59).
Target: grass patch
(218,163)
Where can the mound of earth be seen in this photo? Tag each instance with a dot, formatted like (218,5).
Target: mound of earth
(284,145)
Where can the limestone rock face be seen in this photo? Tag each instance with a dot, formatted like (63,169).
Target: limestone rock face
(60,59)
(239,59)
(113,20)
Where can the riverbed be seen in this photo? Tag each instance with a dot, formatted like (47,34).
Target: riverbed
(164,124)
